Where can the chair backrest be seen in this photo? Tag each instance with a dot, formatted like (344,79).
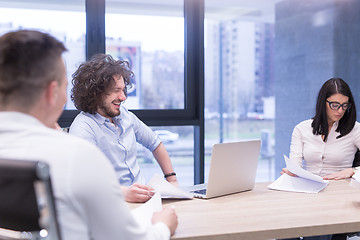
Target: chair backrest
(26,200)
(356,162)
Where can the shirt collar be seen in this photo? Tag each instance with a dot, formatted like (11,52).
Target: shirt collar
(20,118)
(335,125)
(101,119)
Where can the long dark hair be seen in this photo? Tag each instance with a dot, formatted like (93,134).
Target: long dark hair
(320,124)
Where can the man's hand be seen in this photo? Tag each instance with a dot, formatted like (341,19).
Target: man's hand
(284,170)
(137,193)
(56,126)
(167,216)
(347,173)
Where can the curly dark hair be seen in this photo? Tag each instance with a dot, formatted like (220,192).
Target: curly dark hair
(94,78)
(320,124)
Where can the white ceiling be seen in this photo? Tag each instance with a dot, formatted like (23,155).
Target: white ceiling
(251,10)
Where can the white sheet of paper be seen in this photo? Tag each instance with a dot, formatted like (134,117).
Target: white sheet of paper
(300,172)
(166,189)
(144,213)
(297,184)
(305,181)
(355,180)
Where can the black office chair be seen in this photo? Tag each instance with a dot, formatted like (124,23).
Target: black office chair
(356,161)
(27,207)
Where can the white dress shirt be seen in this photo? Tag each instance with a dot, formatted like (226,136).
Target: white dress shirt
(323,158)
(88,199)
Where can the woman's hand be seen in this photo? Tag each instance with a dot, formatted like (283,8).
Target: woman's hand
(284,170)
(347,173)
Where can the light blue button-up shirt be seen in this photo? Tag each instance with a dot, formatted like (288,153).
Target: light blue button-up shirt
(117,141)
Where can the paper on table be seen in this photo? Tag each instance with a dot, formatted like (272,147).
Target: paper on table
(305,181)
(166,189)
(300,172)
(355,180)
(144,213)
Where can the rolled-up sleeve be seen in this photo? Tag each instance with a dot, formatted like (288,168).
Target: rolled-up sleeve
(145,135)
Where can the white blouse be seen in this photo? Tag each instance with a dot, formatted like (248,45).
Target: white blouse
(323,158)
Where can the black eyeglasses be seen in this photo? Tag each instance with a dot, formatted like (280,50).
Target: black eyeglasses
(337,105)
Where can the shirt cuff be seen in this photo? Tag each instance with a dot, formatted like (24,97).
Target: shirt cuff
(163,228)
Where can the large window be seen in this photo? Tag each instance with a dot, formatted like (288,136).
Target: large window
(65,22)
(239,79)
(152,37)
(154,47)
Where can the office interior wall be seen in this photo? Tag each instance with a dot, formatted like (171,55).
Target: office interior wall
(315,41)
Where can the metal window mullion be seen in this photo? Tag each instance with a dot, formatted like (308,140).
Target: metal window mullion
(95,27)
(194,74)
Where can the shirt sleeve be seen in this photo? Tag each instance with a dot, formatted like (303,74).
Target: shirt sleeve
(82,128)
(100,200)
(144,135)
(296,146)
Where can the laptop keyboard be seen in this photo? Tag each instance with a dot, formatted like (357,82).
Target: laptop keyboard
(201,191)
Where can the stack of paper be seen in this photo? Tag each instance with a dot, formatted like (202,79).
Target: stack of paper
(166,189)
(304,181)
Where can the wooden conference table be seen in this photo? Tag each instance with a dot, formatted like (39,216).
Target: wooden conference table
(268,214)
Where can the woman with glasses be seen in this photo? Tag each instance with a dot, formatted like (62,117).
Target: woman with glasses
(326,144)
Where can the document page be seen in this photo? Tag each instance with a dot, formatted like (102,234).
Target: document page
(144,213)
(166,189)
(300,172)
(304,181)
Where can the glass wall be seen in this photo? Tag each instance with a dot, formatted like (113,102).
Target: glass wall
(239,79)
(64,21)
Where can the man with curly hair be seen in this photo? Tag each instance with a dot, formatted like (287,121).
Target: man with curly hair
(32,97)
(100,86)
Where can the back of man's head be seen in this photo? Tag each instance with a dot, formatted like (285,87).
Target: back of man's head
(29,61)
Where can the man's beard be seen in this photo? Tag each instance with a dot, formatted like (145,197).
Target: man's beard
(109,112)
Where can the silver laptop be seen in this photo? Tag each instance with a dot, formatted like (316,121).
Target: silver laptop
(232,169)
